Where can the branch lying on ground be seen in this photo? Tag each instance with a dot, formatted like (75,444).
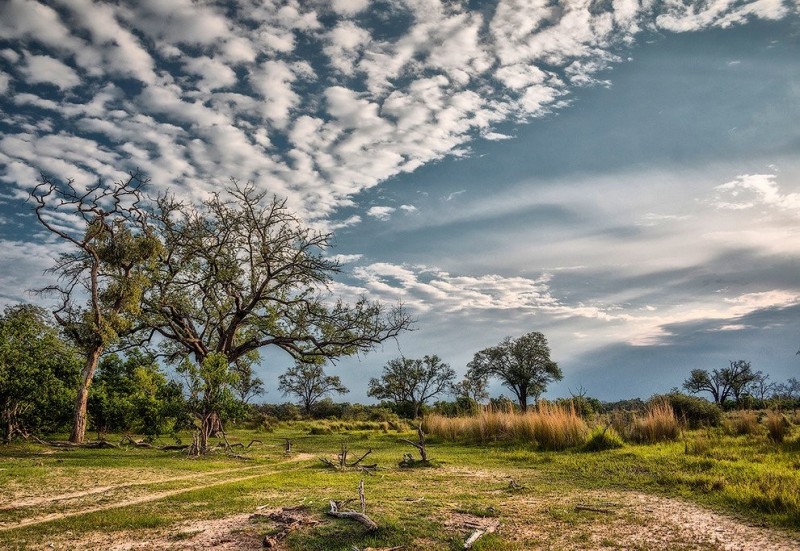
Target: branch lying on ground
(479,532)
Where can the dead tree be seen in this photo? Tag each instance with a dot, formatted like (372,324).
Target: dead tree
(408,459)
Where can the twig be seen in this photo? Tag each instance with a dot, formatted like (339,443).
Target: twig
(360,459)
(594,509)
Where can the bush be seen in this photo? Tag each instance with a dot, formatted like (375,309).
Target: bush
(693,411)
(602,439)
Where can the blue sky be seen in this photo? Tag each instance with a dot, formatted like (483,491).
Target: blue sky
(622,176)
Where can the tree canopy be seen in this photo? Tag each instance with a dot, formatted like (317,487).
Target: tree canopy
(522,365)
(413,381)
(241,272)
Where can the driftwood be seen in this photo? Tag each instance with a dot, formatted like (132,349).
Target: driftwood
(480,532)
(336,510)
(355,515)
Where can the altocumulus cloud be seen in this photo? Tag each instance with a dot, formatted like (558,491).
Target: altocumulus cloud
(316,101)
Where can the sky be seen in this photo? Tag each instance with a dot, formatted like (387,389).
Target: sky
(623,176)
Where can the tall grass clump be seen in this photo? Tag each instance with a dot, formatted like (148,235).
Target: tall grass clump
(743,423)
(602,439)
(656,425)
(778,426)
(547,426)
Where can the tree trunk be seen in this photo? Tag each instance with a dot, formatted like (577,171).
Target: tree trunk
(82,400)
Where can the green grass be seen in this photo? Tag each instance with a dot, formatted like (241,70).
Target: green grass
(749,475)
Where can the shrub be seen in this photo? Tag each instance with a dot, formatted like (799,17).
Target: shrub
(602,439)
(695,412)
(778,426)
(658,424)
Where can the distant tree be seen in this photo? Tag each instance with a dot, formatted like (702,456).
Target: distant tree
(247,385)
(523,365)
(38,372)
(732,381)
(104,274)
(715,383)
(309,382)
(412,382)
(761,387)
(740,377)
(473,387)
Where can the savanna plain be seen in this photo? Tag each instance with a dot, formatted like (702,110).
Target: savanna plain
(543,480)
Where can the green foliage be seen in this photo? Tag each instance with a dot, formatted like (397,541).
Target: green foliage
(603,438)
(38,373)
(413,382)
(308,381)
(523,365)
(134,395)
(694,412)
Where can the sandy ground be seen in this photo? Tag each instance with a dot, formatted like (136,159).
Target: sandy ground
(587,521)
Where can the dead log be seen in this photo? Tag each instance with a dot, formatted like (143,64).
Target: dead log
(360,459)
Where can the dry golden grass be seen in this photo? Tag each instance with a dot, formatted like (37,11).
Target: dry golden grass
(548,426)
(657,425)
(777,426)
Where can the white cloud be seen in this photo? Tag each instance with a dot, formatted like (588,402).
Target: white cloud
(381,212)
(42,69)
(349,7)
(751,190)
(410,209)
(346,258)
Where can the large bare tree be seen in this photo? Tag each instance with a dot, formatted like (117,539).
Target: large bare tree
(104,272)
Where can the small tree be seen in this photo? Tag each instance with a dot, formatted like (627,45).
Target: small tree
(308,381)
(210,395)
(472,389)
(413,382)
(103,276)
(38,372)
(523,366)
(740,377)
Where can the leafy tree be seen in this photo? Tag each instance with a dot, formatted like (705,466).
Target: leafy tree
(740,377)
(412,382)
(105,272)
(472,389)
(241,272)
(523,365)
(309,382)
(38,371)
(715,383)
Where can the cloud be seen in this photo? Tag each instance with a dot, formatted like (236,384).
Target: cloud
(754,190)
(408,209)
(382,213)
(42,69)
(346,258)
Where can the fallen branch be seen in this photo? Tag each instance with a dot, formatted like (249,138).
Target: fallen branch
(96,444)
(479,533)
(355,515)
(360,459)
(336,510)
(420,445)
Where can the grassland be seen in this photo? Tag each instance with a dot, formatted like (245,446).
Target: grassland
(705,490)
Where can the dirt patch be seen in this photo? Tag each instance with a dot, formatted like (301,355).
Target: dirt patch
(611,520)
